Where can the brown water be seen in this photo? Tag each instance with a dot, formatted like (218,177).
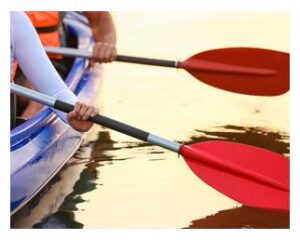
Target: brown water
(115,181)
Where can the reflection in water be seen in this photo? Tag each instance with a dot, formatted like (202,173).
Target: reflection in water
(64,217)
(243,217)
(259,137)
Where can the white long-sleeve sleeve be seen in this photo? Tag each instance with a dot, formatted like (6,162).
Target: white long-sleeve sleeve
(27,49)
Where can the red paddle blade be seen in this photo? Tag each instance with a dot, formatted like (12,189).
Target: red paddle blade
(250,175)
(250,71)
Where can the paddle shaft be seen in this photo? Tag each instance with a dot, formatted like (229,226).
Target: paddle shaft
(99,119)
(72,52)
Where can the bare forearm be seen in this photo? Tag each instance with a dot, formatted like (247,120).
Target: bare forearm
(102,26)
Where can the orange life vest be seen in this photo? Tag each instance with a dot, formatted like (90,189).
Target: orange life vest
(47,26)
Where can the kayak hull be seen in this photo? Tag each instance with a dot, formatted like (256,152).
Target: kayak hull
(43,144)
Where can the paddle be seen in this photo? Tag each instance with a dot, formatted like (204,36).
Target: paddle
(252,71)
(250,175)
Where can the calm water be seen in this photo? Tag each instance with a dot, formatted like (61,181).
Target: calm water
(115,181)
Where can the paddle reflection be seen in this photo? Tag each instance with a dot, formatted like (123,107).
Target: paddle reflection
(259,137)
(243,217)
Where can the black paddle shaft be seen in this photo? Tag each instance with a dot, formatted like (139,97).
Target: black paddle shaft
(147,61)
(107,122)
(71,52)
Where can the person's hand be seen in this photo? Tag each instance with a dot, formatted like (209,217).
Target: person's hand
(104,52)
(78,117)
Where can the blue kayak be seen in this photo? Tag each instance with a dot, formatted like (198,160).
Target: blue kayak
(41,146)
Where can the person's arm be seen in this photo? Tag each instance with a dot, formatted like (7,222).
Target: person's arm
(104,33)
(36,66)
